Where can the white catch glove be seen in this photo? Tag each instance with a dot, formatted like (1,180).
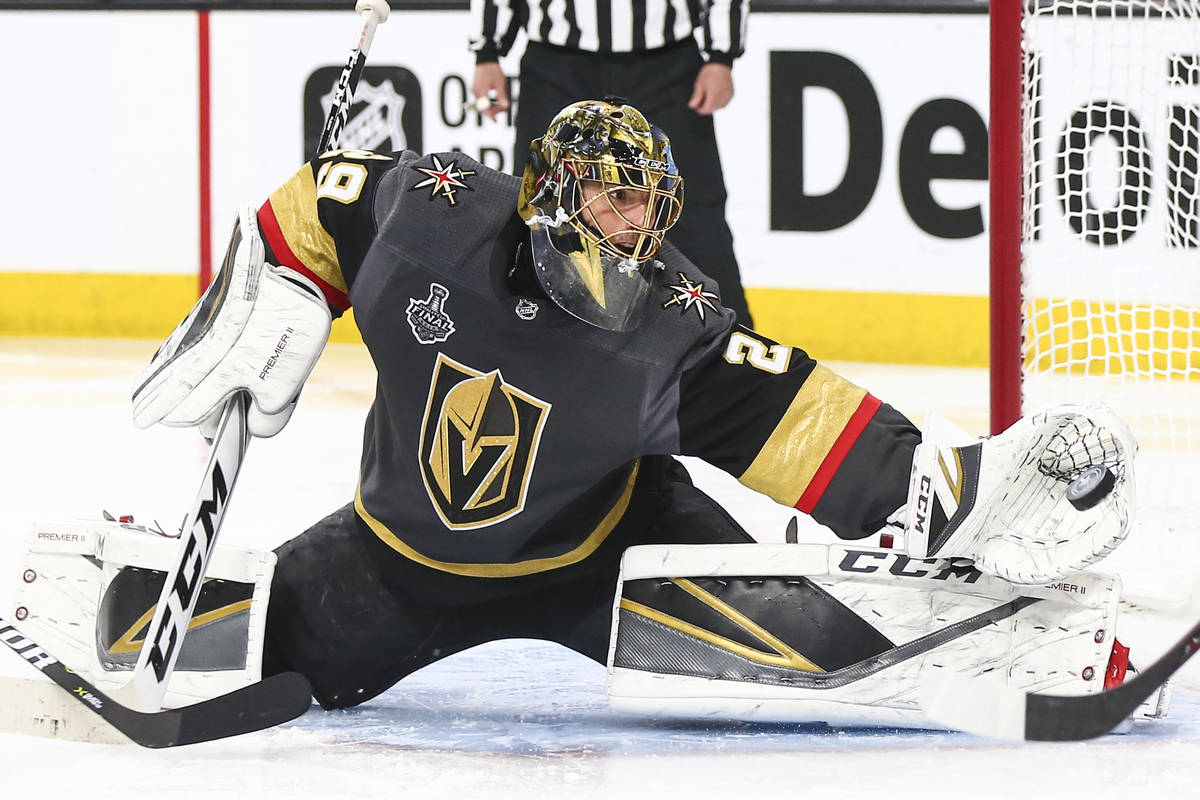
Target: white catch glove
(1050,495)
(258,328)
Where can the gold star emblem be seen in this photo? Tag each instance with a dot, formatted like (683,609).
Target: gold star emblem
(443,180)
(688,295)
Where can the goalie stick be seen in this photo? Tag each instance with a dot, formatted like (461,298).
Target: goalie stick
(164,638)
(260,705)
(978,705)
(156,662)
(372,13)
(198,538)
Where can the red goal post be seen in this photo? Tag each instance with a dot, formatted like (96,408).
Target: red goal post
(1004,222)
(1094,224)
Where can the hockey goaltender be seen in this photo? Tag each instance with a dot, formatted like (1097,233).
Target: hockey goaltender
(543,352)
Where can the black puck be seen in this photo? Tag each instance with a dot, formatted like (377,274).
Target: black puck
(1092,486)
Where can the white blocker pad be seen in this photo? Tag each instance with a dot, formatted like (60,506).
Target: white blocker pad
(839,634)
(88,590)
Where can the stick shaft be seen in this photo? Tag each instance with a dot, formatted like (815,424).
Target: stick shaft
(164,638)
(371,13)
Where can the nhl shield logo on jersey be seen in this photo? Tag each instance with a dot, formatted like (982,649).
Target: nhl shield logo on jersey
(442,180)
(526,309)
(428,319)
(479,440)
(686,294)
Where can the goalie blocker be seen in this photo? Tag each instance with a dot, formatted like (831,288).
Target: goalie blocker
(838,634)
(259,328)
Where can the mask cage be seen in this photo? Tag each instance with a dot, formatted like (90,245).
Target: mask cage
(663,193)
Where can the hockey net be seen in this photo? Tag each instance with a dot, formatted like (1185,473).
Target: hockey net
(1096,247)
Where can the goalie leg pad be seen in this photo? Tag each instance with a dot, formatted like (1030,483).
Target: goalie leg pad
(1006,502)
(88,591)
(839,634)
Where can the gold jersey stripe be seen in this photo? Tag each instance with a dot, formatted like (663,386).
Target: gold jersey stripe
(811,425)
(295,207)
(515,569)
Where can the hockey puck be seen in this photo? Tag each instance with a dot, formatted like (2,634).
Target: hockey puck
(1092,486)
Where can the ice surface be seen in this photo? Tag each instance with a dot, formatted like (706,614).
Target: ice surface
(518,719)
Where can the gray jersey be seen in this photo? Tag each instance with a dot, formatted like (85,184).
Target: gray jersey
(505,435)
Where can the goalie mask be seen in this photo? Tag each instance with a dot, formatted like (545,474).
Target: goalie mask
(599,192)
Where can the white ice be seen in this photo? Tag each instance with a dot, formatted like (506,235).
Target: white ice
(511,719)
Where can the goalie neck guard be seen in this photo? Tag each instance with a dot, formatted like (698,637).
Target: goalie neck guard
(599,192)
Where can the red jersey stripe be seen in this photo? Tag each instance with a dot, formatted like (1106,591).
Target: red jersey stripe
(273,234)
(833,459)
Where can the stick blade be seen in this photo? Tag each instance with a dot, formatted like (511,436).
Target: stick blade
(974,705)
(270,702)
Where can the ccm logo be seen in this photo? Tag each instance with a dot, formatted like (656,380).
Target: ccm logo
(902,566)
(191,573)
(923,503)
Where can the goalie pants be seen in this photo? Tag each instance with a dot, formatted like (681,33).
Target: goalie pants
(354,617)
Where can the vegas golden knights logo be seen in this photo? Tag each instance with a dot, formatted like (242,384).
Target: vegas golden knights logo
(479,440)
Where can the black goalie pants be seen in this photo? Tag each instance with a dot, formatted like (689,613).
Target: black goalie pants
(354,617)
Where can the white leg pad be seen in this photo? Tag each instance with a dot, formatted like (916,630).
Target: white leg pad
(840,634)
(84,593)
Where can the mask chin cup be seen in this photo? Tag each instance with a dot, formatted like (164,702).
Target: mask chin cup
(599,288)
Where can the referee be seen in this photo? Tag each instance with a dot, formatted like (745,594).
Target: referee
(645,51)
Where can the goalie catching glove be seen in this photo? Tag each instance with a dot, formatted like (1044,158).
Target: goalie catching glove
(258,328)
(1050,495)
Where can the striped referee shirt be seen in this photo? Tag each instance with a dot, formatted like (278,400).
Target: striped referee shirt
(609,26)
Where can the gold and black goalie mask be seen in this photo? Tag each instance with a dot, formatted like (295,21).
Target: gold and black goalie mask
(599,192)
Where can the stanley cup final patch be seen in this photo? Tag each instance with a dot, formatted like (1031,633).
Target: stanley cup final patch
(428,318)
(479,442)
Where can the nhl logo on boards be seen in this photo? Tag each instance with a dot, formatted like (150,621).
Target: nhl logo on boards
(385,114)
(526,309)
(428,319)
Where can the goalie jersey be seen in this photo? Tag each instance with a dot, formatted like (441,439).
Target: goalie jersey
(506,436)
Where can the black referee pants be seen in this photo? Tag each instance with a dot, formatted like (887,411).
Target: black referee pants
(659,83)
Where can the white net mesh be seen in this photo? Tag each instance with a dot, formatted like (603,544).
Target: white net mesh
(1111,251)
